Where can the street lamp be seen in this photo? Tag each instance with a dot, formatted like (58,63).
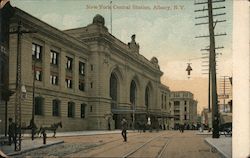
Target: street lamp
(33,101)
(133,115)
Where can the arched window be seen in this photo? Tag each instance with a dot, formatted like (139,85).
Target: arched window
(147,97)
(133,92)
(113,90)
(113,87)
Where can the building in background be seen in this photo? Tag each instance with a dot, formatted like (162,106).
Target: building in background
(88,79)
(184,109)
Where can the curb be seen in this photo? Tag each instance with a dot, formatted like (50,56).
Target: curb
(35,148)
(222,154)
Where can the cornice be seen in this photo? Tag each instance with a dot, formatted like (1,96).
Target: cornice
(116,47)
(31,22)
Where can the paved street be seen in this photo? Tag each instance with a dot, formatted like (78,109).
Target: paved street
(150,144)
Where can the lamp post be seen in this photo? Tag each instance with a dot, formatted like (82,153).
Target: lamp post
(133,116)
(33,101)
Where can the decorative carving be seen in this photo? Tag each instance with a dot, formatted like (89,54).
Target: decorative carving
(154,61)
(99,20)
(133,45)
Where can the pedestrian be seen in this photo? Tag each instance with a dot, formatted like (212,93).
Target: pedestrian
(12,131)
(109,125)
(124,125)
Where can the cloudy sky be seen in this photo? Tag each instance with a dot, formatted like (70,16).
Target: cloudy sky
(167,33)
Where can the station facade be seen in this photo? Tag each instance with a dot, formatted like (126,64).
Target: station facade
(84,77)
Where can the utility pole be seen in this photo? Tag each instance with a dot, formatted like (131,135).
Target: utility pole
(212,57)
(18,90)
(18,98)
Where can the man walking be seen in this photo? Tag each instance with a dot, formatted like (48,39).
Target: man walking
(124,125)
(12,131)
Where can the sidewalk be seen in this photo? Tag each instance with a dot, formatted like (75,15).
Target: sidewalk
(205,132)
(223,145)
(28,145)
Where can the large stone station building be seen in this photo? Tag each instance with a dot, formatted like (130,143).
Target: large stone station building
(84,77)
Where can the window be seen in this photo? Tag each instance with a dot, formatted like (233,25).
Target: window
(38,75)
(83,107)
(54,57)
(71,109)
(82,68)
(176,117)
(81,86)
(185,108)
(176,103)
(38,106)
(91,85)
(56,107)
(162,101)
(92,67)
(185,117)
(185,102)
(69,63)
(68,83)
(54,79)
(91,108)
(2,72)
(36,51)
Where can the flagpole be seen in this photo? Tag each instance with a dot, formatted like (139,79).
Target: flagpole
(111,17)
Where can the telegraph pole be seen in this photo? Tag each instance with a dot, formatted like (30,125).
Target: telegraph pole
(18,98)
(212,66)
(212,57)
(18,91)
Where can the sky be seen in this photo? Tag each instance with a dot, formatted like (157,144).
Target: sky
(164,29)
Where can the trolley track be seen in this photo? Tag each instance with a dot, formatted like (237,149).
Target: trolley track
(137,146)
(162,143)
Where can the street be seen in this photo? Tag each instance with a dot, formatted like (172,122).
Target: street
(149,144)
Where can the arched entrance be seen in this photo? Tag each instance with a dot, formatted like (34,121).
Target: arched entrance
(133,101)
(113,83)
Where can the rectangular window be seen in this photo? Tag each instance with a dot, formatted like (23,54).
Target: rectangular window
(91,85)
(162,101)
(68,83)
(185,117)
(56,108)
(81,86)
(92,67)
(176,103)
(69,63)
(185,102)
(185,108)
(71,109)
(38,106)
(54,57)
(54,79)
(36,51)
(38,75)
(82,68)
(83,107)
